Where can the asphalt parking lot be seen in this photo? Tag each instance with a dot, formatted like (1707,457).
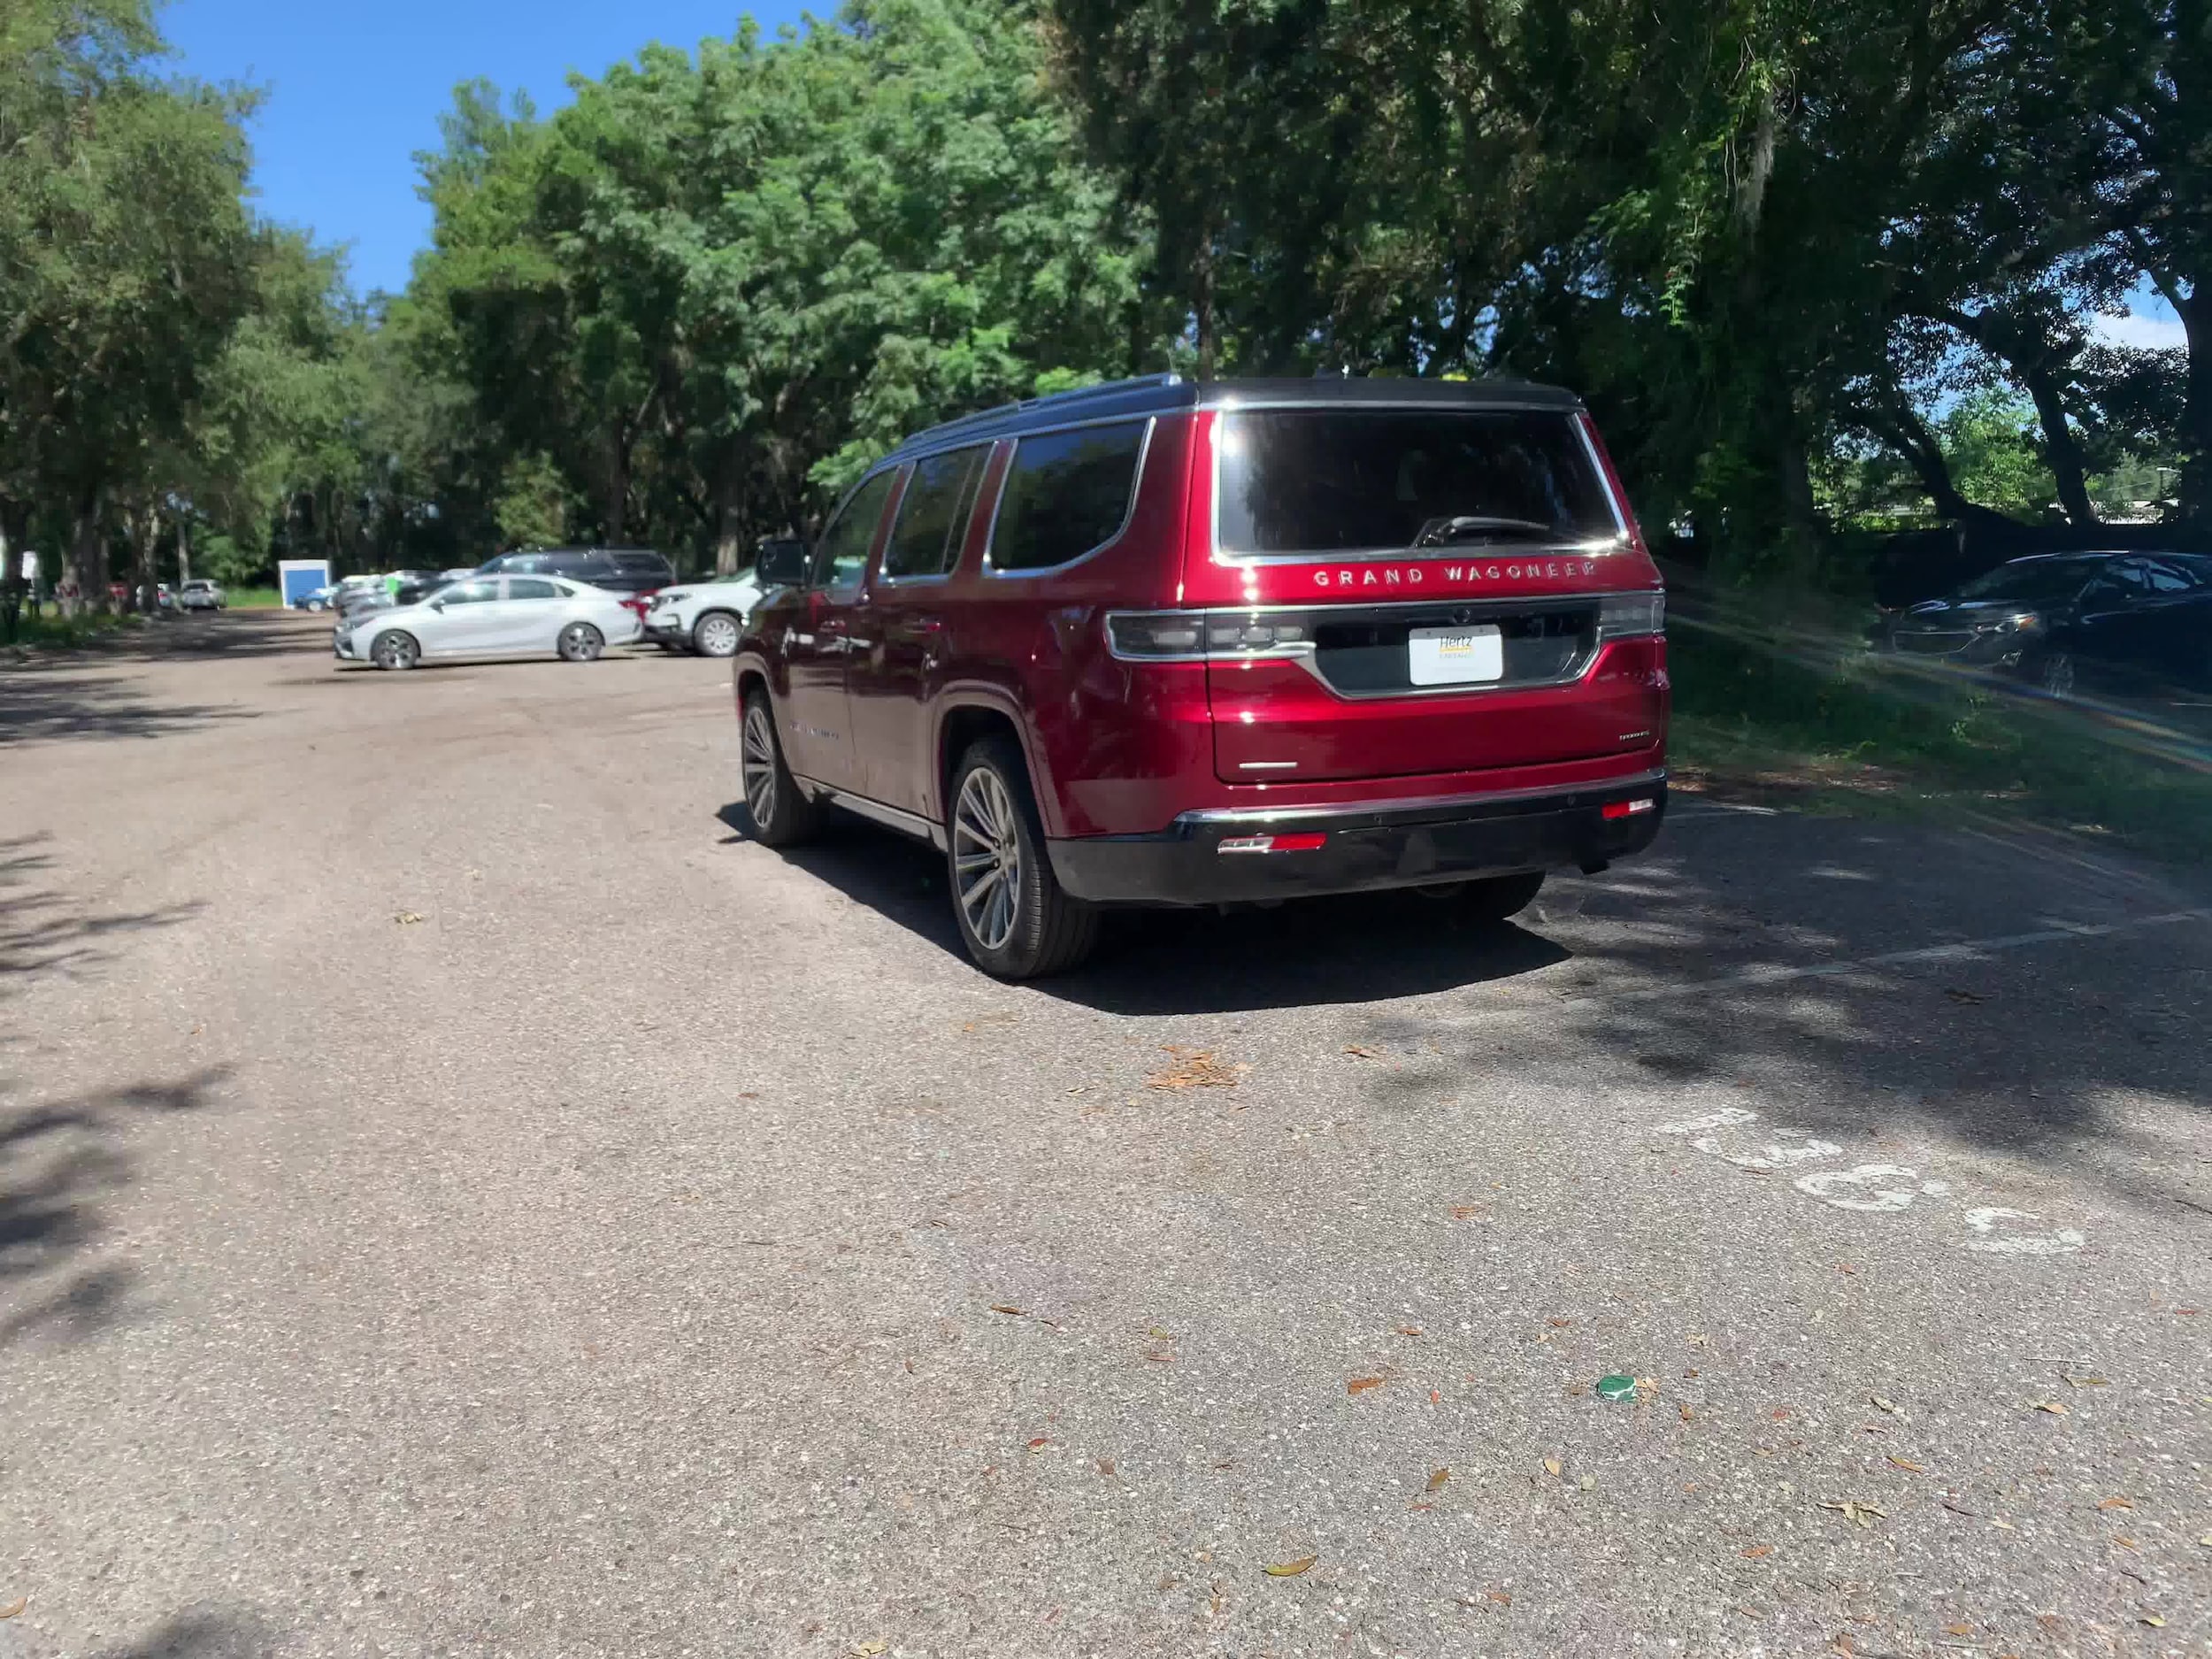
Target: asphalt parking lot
(457,1195)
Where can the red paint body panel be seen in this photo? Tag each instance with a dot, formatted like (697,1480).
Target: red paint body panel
(1121,747)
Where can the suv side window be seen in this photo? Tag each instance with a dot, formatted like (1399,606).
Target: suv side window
(932,520)
(841,558)
(1066,493)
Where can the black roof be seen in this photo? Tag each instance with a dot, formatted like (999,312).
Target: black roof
(1160,394)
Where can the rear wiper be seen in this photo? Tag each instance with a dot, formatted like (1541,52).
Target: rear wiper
(1436,532)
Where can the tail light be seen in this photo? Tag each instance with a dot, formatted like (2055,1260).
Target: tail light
(1631,616)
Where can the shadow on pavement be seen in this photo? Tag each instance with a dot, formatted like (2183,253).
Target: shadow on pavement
(60,1159)
(47,930)
(1360,949)
(39,703)
(199,1633)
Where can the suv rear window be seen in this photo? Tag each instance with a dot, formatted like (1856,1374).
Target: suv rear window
(1332,480)
(1065,493)
(643,563)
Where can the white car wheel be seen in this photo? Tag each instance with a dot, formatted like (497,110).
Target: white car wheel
(715,634)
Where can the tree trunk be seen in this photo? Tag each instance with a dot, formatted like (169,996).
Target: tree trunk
(141,528)
(1203,321)
(729,546)
(88,565)
(11,571)
(2061,449)
(616,513)
(2196,419)
(184,550)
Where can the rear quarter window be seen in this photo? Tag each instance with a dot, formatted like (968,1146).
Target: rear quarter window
(1065,494)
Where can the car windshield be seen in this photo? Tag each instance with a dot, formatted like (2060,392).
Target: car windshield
(2041,581)
(1335,481)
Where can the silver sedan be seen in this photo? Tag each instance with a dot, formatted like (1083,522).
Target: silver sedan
(491,616)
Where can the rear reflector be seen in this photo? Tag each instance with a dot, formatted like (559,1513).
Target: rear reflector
(1626,809)
(1305,843)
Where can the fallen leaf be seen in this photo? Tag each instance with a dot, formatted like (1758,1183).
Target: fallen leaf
(2051,1406)
(1437,1478)
(1157,1334)
(1906,1462)
(1759,1551)
(1957,995)
(1551,1466)
(1685,1410)
(2117,1503)
(1586,1482)
(1958,1630)
(1004,1307)
(2086,1382)
(870,1649)
(1778,1413)
(2127,1543)
(2153,1621)
(1039,1444)
(1503,1597)
(1855,1511)
(407,918)
(15,1607)
(1364,1053)
(1105,1465)
(1196,1068)
(1890,1406)
(1462,1212)
(1290,1568)
(1408,1330)
(1559,1324)
(1360,1385)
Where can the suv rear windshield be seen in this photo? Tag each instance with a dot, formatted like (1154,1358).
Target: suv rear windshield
(1332,480)
(641,564)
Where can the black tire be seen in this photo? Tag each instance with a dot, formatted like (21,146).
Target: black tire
(716,633)
(395,649)
(1492,899)
(580,642)
(778,814)
(1014,918)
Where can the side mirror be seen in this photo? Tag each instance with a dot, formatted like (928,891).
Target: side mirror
(781,562)
(437,605)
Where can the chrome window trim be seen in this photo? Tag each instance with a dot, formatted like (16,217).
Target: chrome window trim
(991,572)
(913,463)
(1420,803)
(844,501)
(1586,548)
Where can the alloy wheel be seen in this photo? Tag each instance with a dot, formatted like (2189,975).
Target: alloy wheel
(715,635)
(756,765)
(987,857)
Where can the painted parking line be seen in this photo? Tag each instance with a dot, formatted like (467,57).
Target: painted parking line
(1866,1189)
(1767,974)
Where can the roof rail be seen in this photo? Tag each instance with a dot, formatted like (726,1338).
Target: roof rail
(1051,400)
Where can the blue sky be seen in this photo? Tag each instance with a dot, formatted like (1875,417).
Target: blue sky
(354,90)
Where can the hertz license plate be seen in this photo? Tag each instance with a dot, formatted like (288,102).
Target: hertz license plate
(1455,656)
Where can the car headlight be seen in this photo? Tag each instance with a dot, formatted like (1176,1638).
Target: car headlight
(2018,622)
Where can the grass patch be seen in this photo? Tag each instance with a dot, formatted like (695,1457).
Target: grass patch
(52,633)
(253,598)
(1831,724)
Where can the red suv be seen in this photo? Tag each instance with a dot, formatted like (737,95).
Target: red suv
(1159,642)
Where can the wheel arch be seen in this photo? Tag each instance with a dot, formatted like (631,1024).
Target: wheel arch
(967,713)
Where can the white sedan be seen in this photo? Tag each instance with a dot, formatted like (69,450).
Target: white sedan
(491,616)
(704,617)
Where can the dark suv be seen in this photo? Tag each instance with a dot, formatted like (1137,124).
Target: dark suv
(618,569)
(1160,642)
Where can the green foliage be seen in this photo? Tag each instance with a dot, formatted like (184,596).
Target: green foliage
(1991,439)
(534,504)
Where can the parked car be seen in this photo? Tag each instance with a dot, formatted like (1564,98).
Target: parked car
(200,594)
(415,585)
(618,570)
(1159,642)
(318,598)
(2057,619)
(708,618)
(489,616)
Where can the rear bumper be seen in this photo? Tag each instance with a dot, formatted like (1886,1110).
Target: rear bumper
(1388,844)
(665,629)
